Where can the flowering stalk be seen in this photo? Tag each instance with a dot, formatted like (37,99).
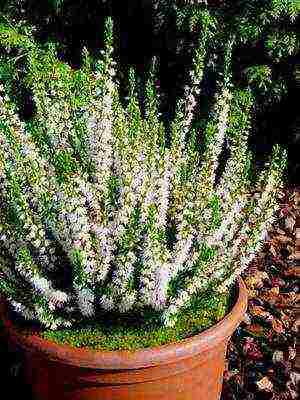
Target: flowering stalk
(186,231)
(247,243)
(155,256)
(234,180)
(99,114)
(125,228)
(33,230)
(18,149)
(184,113)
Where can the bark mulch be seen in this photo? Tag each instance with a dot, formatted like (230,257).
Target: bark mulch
(261,359)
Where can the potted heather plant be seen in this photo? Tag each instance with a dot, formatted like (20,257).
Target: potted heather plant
(121,246)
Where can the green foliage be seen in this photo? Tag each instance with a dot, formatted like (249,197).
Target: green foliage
(78,259)
(265,25)
(206,253)
(195,18)
(64,163)
(291,8)
(129,238)
(11,37)
(215,206)
(282,44)
(56,4)
(24,256)
(259,76)
(113,187)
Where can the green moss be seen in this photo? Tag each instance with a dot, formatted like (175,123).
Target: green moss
(132,333)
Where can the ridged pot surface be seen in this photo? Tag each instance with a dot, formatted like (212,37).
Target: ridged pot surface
(191,369)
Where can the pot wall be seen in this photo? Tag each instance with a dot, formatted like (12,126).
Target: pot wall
(198,377)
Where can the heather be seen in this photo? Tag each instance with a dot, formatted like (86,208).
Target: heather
(101,213)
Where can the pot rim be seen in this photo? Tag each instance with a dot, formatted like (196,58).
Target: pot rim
(127,359)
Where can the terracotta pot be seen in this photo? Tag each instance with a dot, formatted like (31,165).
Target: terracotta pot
(188,370)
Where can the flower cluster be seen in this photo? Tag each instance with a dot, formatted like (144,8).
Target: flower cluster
(98,212)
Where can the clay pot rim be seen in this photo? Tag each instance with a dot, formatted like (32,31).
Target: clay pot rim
(126,359)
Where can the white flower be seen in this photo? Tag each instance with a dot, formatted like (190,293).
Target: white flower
(85,301)
(106,303)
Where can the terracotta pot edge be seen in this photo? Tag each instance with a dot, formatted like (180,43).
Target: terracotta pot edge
(115,360)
